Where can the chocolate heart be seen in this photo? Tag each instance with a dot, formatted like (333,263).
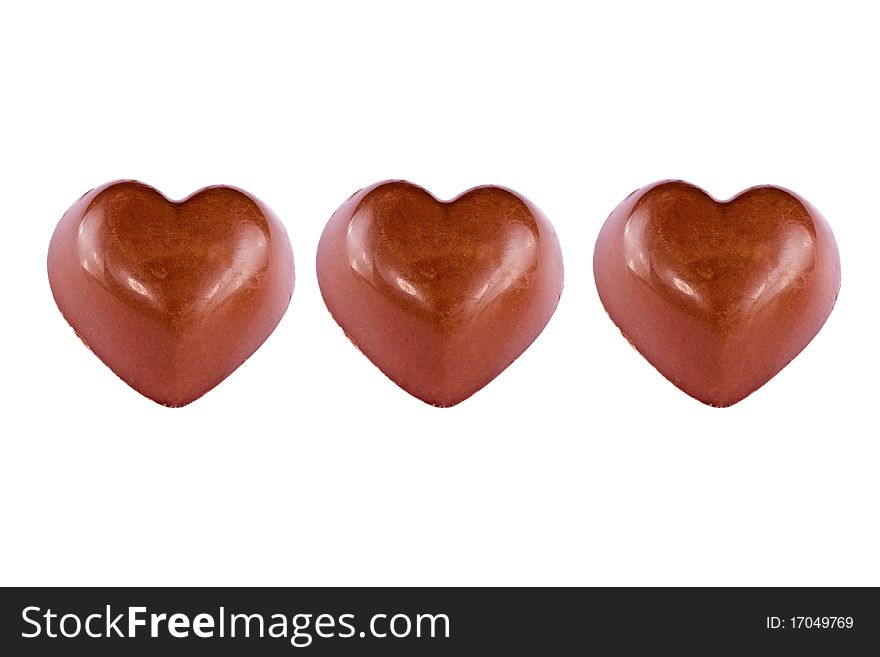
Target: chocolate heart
(172,296)
(440,296)
(718,296)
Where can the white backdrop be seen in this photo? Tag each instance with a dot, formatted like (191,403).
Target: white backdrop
(580,464)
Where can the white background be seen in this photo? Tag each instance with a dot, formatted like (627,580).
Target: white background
(580,464)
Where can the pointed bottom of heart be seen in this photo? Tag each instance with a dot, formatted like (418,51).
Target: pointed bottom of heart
(438,391)
(727,388)
(177,389)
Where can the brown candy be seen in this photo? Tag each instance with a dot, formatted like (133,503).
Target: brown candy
(718,296)
(440,296)
(172,296)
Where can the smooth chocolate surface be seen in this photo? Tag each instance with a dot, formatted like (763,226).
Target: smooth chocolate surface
(718,296)
(172,296)
(440,296)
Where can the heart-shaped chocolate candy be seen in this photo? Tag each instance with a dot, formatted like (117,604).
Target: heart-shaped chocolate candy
(440,296)
(172,296)
(718,296)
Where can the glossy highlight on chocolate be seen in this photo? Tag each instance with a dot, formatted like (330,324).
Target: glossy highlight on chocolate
(440,295)
(172,295)
(718,295)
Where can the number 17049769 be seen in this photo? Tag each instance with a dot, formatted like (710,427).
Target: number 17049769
(810,623)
